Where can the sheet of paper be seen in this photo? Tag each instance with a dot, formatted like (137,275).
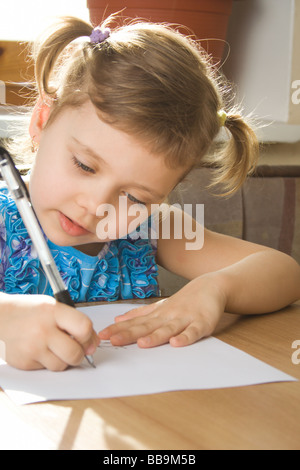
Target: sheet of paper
(129,370)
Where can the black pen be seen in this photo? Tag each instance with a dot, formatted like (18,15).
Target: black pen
(20,194)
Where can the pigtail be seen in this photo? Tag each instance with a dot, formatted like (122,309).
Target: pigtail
(50,47)
(238,156)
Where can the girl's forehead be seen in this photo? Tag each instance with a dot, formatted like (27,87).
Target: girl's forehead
(113,149)
(98,133)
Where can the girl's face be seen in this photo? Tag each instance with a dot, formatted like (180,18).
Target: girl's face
(83,163)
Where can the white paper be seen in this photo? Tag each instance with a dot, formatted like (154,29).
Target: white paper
(129,370)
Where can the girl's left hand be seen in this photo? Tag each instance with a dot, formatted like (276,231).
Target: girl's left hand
(182,319)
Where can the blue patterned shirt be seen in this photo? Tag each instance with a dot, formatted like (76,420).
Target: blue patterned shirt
(124,269)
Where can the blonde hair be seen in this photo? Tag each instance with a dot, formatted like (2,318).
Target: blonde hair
(151,82)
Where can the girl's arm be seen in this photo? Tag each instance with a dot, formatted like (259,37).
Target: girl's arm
(254,278)
(226,274)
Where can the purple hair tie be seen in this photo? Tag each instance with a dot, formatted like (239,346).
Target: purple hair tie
(99,35)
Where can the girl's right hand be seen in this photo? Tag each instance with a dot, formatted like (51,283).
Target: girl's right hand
(39,332)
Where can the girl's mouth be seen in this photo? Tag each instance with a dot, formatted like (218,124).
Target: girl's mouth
(71,227)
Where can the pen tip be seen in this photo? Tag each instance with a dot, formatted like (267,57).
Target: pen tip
(90,361)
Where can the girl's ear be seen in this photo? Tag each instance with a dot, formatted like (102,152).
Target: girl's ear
(39,117)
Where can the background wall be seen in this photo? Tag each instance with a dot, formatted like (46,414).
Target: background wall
(264,63)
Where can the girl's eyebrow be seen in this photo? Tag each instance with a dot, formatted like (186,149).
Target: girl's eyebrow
(150,191)
(96,156)
(90,151)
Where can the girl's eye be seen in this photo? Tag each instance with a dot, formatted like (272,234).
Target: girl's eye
(82,166)
(135,200)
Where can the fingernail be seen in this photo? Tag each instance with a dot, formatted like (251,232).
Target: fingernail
(145,341)
(103,334)
(117,339)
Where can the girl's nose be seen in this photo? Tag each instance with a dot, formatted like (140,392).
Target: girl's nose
(92,197)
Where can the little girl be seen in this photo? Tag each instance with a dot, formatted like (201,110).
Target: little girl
(125,115)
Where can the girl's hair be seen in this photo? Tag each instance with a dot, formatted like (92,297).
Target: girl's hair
(149,81)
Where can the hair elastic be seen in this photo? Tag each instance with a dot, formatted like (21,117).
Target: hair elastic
(222,117)
(99,35)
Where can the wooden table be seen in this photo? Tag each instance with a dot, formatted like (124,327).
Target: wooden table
(254,417)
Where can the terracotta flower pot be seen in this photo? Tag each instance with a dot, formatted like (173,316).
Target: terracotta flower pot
(206,19)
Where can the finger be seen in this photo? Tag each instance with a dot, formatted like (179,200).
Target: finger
(163,334)
(132,317)
(91,346)
(76,324)
(190,335)
(25,364)
(128,330)
(45,360)
(137,312)
(130,335)
(118,327)
(66,348)
(52,362)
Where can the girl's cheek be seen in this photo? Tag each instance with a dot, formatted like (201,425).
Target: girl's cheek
(115,224)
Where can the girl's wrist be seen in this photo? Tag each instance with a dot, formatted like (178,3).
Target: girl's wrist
(216,284)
